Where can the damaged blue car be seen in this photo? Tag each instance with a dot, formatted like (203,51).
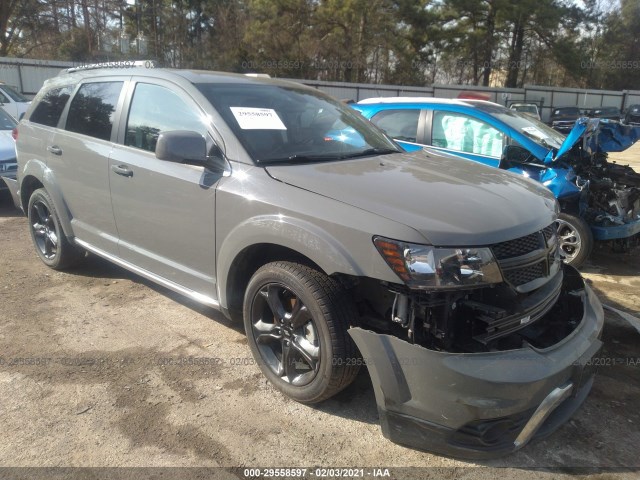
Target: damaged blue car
(600,200)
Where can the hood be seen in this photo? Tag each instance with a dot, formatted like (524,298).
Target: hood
(450,201)
(598,136)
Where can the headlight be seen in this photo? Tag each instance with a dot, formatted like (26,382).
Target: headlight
(424,266)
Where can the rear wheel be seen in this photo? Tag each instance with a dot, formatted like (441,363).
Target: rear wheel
(575,238)
(296,319)
(51,244)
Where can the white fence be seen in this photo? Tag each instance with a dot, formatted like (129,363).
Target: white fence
(28,75)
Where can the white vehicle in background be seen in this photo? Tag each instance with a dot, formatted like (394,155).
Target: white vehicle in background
(530,109)
(12,102)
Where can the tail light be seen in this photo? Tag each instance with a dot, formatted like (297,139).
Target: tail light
(14,133)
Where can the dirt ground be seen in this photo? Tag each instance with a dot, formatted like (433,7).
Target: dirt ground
(100,368)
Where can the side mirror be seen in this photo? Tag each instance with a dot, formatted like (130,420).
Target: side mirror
(182,146)
(514,154)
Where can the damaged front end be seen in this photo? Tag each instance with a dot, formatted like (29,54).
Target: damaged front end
(609,199)
(474,356)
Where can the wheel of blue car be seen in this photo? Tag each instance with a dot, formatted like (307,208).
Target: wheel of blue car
(51,244)
(575,239)
(296,319)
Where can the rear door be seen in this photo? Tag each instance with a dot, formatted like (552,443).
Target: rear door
(405,126)
(79,156)
(164,211)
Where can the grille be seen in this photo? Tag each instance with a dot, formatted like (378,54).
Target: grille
(517,247)
(521,275)
(549,232)
(517,265)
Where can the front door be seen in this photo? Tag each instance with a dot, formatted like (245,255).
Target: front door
(468,137)
(164,211)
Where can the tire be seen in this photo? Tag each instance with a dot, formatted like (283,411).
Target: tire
(296,320)
(575,238)
(47,235)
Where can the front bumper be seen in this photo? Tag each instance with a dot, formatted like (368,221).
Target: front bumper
(481,405)
(616,231)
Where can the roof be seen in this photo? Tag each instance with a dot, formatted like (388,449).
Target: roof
(434,100)
(412,100)
(146,69)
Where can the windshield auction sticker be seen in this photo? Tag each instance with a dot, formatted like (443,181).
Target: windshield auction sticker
(257,118)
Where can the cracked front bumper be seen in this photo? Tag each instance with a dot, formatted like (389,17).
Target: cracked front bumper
(480,405)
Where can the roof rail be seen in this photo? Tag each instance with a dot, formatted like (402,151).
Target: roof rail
(257,75)
(117,64)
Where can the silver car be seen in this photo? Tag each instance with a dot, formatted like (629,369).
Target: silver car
(287,210)
(8,165)
(13,102)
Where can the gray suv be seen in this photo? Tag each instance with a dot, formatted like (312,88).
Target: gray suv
(284,208)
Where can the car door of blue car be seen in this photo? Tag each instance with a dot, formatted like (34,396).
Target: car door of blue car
(465,136)
(405,125)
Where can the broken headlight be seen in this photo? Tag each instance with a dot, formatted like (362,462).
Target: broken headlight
(425,266)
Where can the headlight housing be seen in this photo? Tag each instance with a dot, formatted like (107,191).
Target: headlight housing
(425,266)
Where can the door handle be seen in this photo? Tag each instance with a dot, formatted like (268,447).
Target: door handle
(54,149)
(122,170)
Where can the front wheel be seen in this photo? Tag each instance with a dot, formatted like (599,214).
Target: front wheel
(296,319)
(575,238)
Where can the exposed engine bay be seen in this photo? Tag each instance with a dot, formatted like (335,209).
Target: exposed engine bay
(539,303)
(481,320)
(610,192)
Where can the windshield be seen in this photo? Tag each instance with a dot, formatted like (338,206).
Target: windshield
(566,111)
(15,96)
(534,129)
(526,109)
(6,121)
(287,124)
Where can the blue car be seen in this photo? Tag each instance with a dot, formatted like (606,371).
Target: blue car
(599,200)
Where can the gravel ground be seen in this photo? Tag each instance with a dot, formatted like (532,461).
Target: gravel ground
(95,372)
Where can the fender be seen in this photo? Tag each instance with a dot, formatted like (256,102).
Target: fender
(39,170)
(293,233)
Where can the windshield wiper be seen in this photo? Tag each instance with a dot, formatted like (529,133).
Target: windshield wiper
(298,158)
(371,151)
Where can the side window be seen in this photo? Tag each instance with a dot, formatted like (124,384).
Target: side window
(3,97)
(465,134)
(398,124)
(156,109)
(50,107)
(93,108)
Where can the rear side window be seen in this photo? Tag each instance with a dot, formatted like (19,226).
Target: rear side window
(399,124)
(48,111)
(155,109)
(93,108)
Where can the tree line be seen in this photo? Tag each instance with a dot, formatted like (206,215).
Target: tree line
(587,44)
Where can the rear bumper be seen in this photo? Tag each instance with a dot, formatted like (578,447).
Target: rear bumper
(12,185)
(480,405)
(616,231)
